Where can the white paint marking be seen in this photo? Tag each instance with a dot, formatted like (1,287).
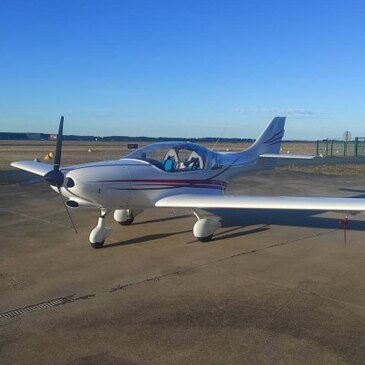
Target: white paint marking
(30,217)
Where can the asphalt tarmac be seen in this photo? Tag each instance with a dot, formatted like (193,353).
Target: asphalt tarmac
(271,287)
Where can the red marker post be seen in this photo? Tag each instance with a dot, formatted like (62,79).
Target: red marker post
(344,223)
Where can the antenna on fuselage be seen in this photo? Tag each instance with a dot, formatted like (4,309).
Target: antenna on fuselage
(219,138)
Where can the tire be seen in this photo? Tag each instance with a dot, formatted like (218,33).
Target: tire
(97,244)
(205,239)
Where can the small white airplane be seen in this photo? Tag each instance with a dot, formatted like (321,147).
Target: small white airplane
(177,175)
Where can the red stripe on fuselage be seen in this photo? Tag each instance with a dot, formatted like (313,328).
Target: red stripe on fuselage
(170,182)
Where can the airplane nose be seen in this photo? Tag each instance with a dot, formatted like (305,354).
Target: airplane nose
(103,185)
(76,184)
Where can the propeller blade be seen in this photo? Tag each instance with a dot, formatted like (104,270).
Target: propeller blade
(56,177)
(57,159)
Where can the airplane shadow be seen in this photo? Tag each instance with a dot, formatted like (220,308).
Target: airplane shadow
(227,234)
(144,239)
(311,219)
(354,191)
(162,219)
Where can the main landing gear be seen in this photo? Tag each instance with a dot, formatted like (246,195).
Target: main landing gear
(100,233)
(204,228)
(125,217)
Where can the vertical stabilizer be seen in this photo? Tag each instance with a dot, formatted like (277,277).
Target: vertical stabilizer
(271,138)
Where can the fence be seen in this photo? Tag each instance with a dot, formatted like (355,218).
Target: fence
(335,148)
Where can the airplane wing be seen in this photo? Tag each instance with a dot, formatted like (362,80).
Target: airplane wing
(282,155)
(38,168)
(262,202)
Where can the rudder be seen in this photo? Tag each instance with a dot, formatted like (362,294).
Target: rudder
(270,139)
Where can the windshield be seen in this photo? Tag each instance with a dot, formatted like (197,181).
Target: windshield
(174,156)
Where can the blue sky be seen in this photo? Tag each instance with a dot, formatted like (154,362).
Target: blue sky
(183,68)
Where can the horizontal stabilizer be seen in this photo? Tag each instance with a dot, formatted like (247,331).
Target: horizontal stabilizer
(262,202)
(34,167)
(282,155)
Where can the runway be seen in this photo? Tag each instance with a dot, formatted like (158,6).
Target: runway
(271,287)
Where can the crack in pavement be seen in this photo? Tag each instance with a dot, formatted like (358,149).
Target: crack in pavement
(154,278)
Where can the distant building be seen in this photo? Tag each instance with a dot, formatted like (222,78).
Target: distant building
(23,136)
(12,136)
(132,146)
(34,136)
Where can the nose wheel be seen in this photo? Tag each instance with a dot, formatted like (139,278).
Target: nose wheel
(100,233)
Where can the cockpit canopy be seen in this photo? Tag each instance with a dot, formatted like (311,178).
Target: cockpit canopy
(177,156)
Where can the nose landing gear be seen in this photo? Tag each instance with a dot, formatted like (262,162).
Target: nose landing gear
(99,234)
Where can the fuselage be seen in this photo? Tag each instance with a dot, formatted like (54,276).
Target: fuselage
(142,178)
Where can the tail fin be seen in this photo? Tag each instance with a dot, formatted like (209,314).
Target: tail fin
(270,139)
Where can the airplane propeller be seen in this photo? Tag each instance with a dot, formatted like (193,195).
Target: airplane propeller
(55,177)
